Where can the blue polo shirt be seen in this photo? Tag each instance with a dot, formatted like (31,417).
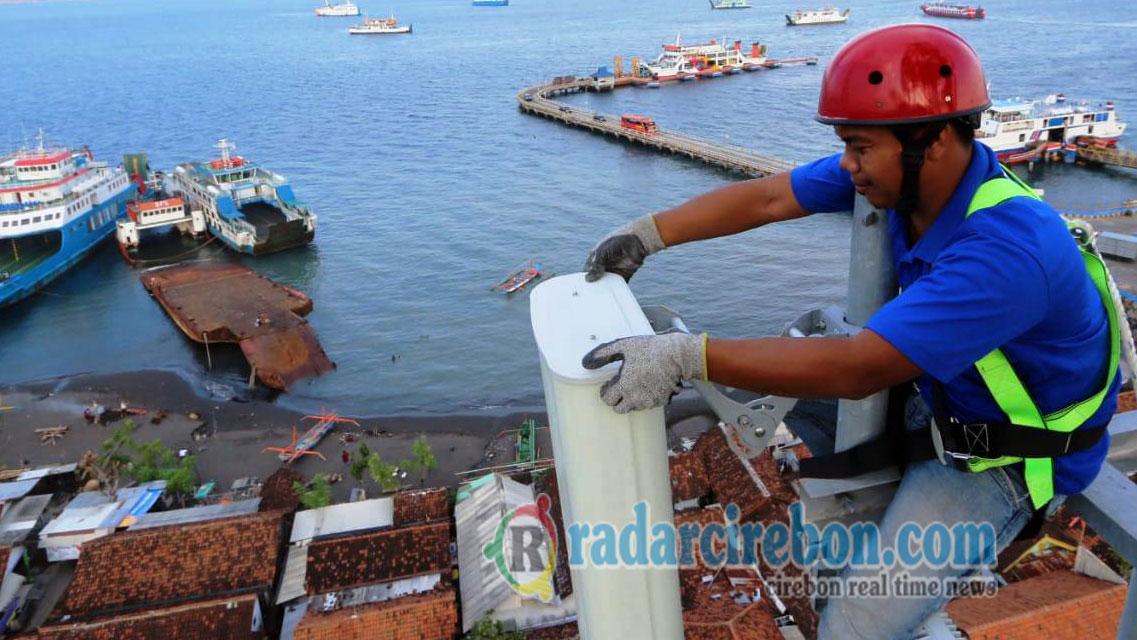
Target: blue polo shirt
(1008,277)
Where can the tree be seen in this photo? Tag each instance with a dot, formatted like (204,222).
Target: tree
(123,456)
(383,473)
(424,458)
(487,629)
(359,463)
(318,495)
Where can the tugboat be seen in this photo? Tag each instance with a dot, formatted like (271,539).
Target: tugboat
(1021,130)
(379,27)
(151,213)
(344,9)
(943,10)
(826,15)
(56,205)
(248,207)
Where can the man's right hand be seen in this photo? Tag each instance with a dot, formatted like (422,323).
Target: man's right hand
(623,251)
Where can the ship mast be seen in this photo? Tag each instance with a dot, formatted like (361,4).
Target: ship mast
(224,145)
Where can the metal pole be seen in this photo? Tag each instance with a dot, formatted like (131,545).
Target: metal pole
(872,283)
(208,358)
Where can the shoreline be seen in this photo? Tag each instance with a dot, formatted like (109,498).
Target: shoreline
(233,432)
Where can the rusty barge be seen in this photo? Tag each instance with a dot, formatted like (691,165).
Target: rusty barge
(216,302)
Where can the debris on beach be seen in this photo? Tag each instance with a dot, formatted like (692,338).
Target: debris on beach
(228,302)
(49,435)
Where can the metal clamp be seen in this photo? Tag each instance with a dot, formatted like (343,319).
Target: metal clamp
(753,422)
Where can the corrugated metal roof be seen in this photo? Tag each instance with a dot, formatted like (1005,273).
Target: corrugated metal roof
(20,518)
(78,520)
(134,501)
(48,471)
(17,489)
(477,518)
(196,514)
(295,568)
(347,517)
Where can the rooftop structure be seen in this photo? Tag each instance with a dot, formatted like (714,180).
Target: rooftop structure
(167,566)
(196,514)
(343,518)
(235,618)
(91,515)
(427,616)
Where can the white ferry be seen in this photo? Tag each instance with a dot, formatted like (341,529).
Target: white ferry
(379,27)
(341,10)
(827,15)
(56,204)
(1020,130)
(687,62)
(248,207)
(730,4)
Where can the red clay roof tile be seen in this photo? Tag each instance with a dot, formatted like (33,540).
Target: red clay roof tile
(377,556)
(423,505)
(688,476)
(425,616)
(222,619)
(173,564)
(277,491)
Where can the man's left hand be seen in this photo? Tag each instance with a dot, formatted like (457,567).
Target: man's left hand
(653,370)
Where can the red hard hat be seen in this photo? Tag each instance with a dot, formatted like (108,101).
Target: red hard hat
(902,74)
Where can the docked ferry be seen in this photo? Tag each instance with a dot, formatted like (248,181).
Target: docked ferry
(964,12)
(341,10)
(1021,130)
(246,206)
(56,204)
(826,15)
(684,62)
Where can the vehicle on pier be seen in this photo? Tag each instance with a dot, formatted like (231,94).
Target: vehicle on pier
(341,10)
(56,205)
(826,15)
(248,207)
(1021,130)
(639,123)
(681,62)
(942,10)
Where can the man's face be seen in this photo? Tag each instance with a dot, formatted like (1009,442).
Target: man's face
(872,158)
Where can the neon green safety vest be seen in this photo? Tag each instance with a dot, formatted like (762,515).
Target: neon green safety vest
(1004,383)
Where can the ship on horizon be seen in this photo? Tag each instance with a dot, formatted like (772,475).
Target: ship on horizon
(713,59)
(248,207)
(56,205)
(730,4)
(344,9)
(380,27)
(944,10)
(825,15)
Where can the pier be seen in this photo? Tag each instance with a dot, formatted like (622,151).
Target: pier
(1108,155)
(538,100)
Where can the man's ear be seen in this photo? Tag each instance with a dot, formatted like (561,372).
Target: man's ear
(937,149)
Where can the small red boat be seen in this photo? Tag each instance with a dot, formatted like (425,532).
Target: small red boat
(520,277)
(965,12)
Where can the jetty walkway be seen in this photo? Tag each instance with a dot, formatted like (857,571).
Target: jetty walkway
(539,101)
(1108,155)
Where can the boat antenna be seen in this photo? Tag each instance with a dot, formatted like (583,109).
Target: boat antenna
(224,145)
(39,140)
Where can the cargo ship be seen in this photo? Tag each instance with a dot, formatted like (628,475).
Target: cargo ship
(341,10)
(687,62)
(379,27)
(56,205)
(730,4)
(965,12)
(246,206)
(1021,130)
(826,15)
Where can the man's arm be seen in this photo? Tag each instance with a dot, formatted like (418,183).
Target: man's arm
(731,209)
(831,367)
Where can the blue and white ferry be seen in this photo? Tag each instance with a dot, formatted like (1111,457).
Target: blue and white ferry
(56,204)
(251,209)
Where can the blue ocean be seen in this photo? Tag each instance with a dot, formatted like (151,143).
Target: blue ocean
(430,185)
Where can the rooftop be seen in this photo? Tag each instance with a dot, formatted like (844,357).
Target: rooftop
(422,505)
(426,616)
(168,565)
(1061,604)
(343,518)
(229,618)
(379,556)
(277,491)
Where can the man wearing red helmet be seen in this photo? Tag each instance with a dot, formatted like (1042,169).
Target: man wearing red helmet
(1005,323)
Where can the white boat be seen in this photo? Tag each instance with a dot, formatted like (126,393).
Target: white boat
(826,15)
(1020,130)
(379,26)
(680,62)
(730,4)
(341,10)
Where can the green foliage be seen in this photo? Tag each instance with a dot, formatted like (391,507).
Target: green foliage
(486,629)
(383,473)
(319,495)
(146,462)
(424,457)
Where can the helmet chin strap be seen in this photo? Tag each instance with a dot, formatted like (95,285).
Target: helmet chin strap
(913,145)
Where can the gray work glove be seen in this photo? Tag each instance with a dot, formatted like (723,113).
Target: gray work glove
(623,251)
(654,367)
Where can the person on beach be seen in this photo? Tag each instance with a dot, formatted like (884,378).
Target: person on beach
(1003,321)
